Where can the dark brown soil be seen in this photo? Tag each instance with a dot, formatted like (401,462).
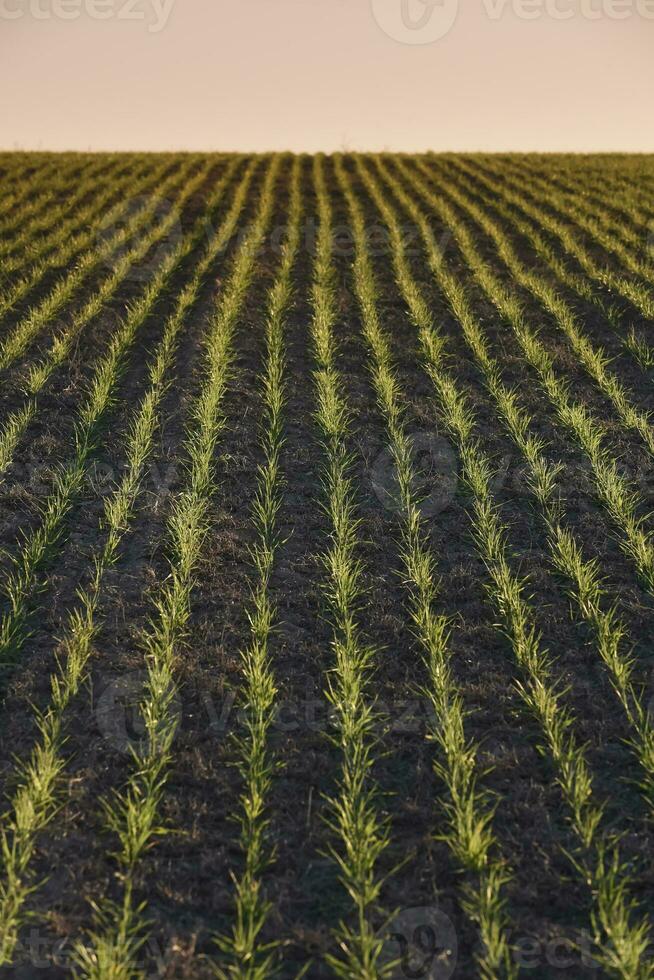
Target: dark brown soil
(186,878)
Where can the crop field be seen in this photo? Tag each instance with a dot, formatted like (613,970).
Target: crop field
(326,566)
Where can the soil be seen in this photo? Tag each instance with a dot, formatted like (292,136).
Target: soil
(186,878)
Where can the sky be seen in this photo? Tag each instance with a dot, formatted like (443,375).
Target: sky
(252,75)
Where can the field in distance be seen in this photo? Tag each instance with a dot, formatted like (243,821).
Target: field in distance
(326,566)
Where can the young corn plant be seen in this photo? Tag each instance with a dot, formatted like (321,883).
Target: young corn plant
(111,949)
(494,194)
(631,281)
(83,247)
(20,185)
(16,424)
(24,578)
(613,212)
(594,359)
(565,551)
(565,215)
(30,325)
(359,832)
(622,937)
(620,500)
(245,956)
(36,234)
(639,349)
(128,179)
(35,802)
(23,195)
(613,197)
(469,809)
(34,209)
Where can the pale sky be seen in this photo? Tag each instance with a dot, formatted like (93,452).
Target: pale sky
(327,74)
